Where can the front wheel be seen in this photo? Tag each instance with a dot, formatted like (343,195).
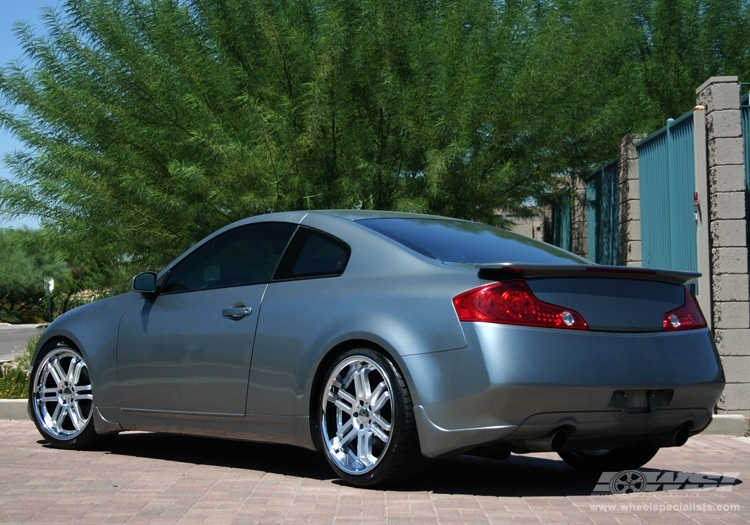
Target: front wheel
(594,461)
(367,421)
(62,400)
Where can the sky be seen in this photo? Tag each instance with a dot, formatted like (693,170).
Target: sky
(12,11)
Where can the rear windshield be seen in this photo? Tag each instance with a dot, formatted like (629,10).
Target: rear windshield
(468,242)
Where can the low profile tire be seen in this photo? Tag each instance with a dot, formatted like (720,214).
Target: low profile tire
(62,400)
(367,425)
(595,461)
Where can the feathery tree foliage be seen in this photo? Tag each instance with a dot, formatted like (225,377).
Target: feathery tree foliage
(24,268)
(150,123)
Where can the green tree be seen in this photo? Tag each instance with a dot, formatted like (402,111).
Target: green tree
(149,123)
(683,43)
(25,266)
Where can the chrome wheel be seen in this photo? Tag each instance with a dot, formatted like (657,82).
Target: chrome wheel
(357,414)
(62,394)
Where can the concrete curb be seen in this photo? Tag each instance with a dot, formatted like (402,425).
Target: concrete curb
(13,409)
(727,424)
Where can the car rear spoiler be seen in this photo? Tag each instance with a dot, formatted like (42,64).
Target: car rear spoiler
(507,270)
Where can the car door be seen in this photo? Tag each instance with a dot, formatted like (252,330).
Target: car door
(188,350)
(297,307)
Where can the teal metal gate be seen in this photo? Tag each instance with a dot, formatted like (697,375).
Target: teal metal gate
(603,215)
(561,235)
(666,168)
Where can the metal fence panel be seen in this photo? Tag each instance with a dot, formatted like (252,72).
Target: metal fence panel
(608,234)
(681,189)
(667,181)
(603,215)
(593,207)
(653,167)
(561,235)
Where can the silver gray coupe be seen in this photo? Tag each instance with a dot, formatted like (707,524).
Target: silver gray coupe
(384,338)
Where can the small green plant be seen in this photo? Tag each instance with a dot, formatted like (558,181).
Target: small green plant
(14,380)
(23,361)
(14,383)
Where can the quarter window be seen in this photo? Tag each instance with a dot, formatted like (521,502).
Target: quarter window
(313,254)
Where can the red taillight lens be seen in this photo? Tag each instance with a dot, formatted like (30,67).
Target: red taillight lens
(513,302)
(686,317)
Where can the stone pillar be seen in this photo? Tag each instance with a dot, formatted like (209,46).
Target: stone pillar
(630,203)
(727,225)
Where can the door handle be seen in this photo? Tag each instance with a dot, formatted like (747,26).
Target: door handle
(237,312)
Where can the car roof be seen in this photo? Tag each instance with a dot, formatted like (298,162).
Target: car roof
(354,215)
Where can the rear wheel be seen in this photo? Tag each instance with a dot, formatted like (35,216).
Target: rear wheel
(594,461)
(367,421)
(62,400)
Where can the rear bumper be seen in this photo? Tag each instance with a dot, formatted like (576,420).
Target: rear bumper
(514,383)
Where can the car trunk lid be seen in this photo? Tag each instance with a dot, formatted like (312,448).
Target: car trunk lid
(609,298)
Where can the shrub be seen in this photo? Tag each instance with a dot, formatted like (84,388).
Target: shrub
(14,383)
(14,380)
(23,361)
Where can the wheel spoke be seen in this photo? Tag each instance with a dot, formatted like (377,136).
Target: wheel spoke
(77,373)
(83,388)
(375,393)
(63,411)
(56,413)
(346,396)
(380,422)
(71,370)
(343,429)
(47,395)
(360,384)
(349,437)
(343,406)
(83,397)
(364,448)
(343,400)
(346,380)
(75,415)
(54,370)
(380,402)
(378,433)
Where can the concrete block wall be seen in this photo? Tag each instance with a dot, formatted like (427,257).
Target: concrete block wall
(730,284)
(630,203)
(578,218)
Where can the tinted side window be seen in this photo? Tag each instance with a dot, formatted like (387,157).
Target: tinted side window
(313,254)
(244,255)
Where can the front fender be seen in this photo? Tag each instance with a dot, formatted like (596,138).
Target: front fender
(92,329)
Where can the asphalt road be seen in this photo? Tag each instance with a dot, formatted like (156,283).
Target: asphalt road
(13,339)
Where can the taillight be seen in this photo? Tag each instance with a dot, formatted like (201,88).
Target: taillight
(513,302)
(686,317)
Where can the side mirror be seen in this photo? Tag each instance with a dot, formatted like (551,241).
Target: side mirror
(144,282)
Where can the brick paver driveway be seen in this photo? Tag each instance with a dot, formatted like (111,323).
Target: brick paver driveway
(157,478)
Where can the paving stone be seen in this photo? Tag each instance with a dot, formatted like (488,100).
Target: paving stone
(150,478)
